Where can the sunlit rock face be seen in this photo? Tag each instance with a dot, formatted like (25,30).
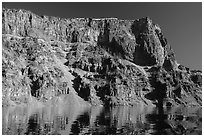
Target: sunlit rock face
(103,61)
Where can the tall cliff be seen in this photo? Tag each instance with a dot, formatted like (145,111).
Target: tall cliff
(102,61)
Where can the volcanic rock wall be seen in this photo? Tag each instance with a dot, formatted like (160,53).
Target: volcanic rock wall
(104,61)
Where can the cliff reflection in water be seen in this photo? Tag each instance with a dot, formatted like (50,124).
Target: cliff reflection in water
(100,120)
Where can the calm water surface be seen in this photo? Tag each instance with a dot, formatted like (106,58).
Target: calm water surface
(99,120)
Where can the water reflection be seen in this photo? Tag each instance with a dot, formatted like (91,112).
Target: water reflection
(99,120)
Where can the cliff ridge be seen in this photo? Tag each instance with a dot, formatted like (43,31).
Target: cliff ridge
(99,61)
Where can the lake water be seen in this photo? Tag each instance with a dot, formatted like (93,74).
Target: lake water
(121,120)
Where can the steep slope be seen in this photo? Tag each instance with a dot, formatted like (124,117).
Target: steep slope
(104,61)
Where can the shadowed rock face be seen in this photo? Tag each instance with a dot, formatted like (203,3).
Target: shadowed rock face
(104,61)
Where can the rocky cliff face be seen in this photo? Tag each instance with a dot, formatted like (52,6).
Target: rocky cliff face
(103,61)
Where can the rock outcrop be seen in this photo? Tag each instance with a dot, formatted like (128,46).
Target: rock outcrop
(104,61)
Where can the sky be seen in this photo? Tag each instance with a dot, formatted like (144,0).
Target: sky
(181,22)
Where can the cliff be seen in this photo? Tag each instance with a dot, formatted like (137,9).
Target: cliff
(100,61)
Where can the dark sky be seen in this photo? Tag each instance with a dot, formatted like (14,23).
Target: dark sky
(181,23)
